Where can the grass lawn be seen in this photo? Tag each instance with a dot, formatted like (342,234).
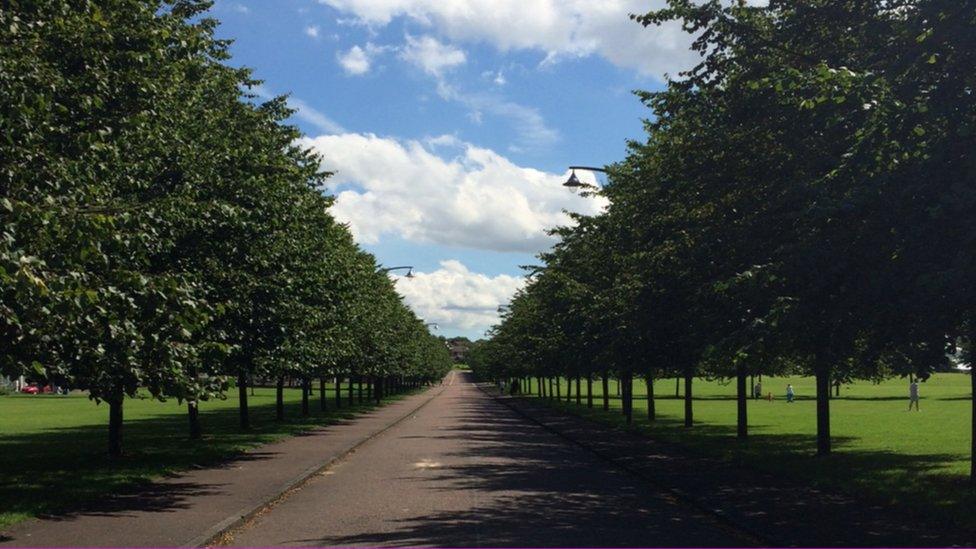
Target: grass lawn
(881,450)
(53,449)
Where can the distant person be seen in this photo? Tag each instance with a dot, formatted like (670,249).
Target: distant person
(758,391)
(769,396)
(789,393)
(913,395)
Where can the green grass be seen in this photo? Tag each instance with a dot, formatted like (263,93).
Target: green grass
(53,448)
(881,451)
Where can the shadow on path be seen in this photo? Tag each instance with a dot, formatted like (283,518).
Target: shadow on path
(514,484)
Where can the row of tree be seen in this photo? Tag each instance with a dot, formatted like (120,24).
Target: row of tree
(160,228)
(803,202)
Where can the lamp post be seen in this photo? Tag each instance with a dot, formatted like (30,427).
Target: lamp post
(574,182)
(627,379)
(409,269)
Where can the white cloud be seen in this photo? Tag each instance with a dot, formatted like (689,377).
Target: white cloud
(304,111)
(445,140)
(355,61)
(456,298)
(435,59)
(431,55)
(312,31)
(496,77)
(533,132)
(476,199)
(556,28)
(359,60)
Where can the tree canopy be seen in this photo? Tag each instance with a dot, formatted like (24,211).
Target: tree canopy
(161,228)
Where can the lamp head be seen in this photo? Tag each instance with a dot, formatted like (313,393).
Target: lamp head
(573,182)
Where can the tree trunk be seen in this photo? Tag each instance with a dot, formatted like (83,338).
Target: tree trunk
(606,391)
(589,390)
(306,391)
(823,411)
(360,395)
(115,426)
(351,402)
(752,386)
(552,390)
(378,388)
(280,399)
(323,401)
(677,386)
(972,435)
(559,395)
(242,399)
(689,416)
(193,412)
(649,383)
(742,420)
(579,393)
(626,386)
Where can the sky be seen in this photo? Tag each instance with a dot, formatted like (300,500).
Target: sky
(450,124)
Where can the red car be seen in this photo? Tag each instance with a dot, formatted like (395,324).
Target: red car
(31,389)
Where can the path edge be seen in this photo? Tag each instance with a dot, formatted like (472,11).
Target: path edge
(212,534)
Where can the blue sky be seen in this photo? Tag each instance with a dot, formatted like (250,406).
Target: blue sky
(450,123)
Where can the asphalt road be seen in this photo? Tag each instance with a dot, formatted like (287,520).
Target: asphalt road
(467,471)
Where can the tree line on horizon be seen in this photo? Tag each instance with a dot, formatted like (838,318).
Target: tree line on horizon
(162,230)
(802,203)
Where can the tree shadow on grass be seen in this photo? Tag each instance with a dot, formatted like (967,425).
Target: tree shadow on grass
(59,473)
(876,497)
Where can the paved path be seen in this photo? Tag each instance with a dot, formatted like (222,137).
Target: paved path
(189,508)
(467,471)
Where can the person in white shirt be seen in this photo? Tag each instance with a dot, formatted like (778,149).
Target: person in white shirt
(913,395)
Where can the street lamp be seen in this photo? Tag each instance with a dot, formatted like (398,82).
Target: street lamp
(574,182)
(409,269)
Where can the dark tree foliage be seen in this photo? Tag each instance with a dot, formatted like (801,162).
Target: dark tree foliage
(800,204)
(161,230)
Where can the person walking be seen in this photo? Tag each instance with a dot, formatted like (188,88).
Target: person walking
(758,391)
(913,395)
(789,393)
